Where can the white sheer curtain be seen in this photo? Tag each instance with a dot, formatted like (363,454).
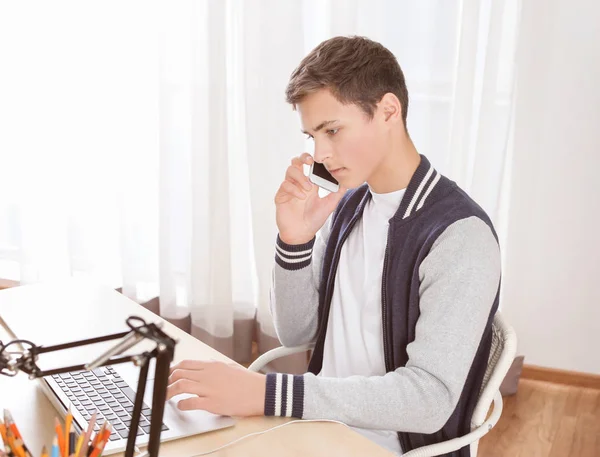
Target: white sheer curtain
(145,140)
(78,143)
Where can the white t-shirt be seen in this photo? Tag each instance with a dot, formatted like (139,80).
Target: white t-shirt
(354,339)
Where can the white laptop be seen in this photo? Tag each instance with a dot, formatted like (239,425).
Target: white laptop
(110,391)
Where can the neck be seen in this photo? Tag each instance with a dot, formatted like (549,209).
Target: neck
(397,167)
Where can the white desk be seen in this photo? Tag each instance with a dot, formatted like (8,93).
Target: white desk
(73,310)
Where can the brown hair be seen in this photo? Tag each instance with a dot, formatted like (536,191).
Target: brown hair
(355,69)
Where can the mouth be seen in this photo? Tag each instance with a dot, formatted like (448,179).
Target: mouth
(336,171)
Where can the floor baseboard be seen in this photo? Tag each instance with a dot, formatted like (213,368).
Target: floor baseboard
(554,375)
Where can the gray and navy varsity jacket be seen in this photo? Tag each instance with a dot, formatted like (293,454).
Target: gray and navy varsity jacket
(440,291)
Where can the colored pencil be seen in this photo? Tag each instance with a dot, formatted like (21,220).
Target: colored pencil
(88,436)
(68,422)
(61,437)
(55,452)
(79,444)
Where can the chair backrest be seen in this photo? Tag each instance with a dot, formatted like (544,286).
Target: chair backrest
(502,354)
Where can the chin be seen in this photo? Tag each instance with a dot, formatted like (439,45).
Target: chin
(350,182)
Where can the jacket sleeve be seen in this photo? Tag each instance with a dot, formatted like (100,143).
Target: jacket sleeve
(295,288)
(459,281)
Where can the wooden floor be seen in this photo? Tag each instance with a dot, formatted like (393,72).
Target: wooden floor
(546,420)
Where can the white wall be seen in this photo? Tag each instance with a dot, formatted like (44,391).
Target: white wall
(552,265)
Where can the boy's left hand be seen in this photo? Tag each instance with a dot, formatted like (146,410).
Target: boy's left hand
(220,388)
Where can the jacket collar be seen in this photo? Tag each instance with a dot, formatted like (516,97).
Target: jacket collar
(422,183)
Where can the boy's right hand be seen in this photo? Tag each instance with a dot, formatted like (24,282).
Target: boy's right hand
(299,211)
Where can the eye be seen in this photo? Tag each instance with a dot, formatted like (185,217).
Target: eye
(309,137)
(332,132)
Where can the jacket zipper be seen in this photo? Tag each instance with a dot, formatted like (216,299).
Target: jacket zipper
(404,445)
(386,352)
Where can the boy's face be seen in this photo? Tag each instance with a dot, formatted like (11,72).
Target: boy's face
(347,142)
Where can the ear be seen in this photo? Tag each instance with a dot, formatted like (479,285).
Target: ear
(390,108)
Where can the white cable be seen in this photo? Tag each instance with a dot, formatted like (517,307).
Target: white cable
(298,421)
(265,431)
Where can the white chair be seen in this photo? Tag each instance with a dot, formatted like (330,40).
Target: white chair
(502,354)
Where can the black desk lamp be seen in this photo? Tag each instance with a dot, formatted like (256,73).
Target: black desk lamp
(26,361)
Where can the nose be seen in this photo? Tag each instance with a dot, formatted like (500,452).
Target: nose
(323,151)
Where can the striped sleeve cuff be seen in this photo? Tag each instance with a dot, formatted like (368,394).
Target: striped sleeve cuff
(293,256)
(284,395)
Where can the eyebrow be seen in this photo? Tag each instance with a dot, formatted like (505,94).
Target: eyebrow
(320,126)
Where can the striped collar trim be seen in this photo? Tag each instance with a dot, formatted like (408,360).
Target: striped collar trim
(422,183)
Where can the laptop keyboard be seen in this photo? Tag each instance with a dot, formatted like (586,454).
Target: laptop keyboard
(104,392)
